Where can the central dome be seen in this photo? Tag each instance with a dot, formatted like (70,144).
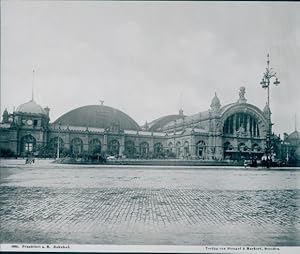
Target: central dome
(98,116)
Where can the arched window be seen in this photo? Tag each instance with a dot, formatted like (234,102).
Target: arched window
(228,151)
(28,144)
(114,147)
(242,147)
(144,149)
(94,146)
(169,151)
(256,148)
(241,124)
(76,146)
(158,149)
(129,149)
(228,146)
(201,149)
(170,147)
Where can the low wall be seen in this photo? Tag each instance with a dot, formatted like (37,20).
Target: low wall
(174,163)
(156,162)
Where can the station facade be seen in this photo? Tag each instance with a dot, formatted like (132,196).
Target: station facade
(232,132)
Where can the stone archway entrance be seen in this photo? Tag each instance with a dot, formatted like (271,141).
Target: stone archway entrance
(201,150)
(114,147)
(28,144)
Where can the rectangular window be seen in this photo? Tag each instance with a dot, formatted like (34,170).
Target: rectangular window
(35,123)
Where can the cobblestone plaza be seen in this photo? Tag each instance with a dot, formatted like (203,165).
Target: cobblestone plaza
(50,203)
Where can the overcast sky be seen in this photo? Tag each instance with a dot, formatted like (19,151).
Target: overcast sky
(149,58)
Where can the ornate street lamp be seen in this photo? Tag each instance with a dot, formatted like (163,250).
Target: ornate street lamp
(265,83)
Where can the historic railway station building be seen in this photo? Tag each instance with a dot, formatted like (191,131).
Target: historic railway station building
(233,131)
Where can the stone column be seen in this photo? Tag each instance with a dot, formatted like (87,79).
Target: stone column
(193,148)
(250,129)
(18,142)
(86,142)
(67,140)
(122,145)
(137,146)
(208,150)
(234,144)
(254,128)
(234,123)
(104,143)
(248,125)
(151,144)
(219,148)
(44,138)
(249,144)
(39,140)
(14,145)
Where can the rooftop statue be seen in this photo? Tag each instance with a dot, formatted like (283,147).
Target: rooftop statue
(242,92)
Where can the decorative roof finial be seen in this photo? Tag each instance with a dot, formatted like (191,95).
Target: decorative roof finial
(295,122)
(5,116)
(181,111)
(146,126)
(101,102)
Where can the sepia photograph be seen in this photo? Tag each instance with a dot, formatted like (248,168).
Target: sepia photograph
(150,126)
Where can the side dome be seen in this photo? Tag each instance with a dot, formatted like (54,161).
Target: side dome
(215,103)
(31,107)
(97,116)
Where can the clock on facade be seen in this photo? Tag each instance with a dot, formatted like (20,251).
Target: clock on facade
(29,122)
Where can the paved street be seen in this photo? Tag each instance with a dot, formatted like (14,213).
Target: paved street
(49,203)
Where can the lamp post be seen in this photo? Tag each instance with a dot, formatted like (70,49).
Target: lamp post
(268,75)
(58,139)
